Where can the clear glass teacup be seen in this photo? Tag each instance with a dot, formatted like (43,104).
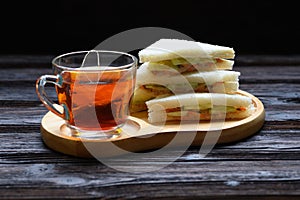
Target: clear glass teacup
(93,90)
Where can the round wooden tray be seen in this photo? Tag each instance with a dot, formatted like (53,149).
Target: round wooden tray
(138,135)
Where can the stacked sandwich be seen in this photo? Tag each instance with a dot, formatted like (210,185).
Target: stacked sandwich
(187,80)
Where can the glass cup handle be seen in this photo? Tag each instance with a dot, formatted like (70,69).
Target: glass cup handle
(40,90)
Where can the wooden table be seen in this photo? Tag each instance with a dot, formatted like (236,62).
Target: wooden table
(265,166)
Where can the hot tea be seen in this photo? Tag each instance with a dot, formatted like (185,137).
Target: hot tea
(96,100)
(93,89)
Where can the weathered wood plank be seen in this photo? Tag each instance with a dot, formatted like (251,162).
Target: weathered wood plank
(32,114)
(281,101)
(248,73)
(25,61)
(198,179)
(276,94)
(276,141)
(156,191)
(196,172)
(267,60)
(22,115)
(159,191)
(23,93)
(22,75)
(54,174)
(268,74)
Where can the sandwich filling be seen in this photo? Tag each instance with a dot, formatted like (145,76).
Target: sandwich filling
(151,91)
(156,89)
(204,112)
(182,65)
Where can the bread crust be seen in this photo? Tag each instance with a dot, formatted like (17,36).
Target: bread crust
(189,99)
(166,49)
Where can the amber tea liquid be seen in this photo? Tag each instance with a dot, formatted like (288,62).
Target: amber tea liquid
(96,100)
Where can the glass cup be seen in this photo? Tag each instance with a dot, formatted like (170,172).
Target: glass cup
(93,90)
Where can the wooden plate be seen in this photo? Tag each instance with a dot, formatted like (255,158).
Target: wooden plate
(138,135)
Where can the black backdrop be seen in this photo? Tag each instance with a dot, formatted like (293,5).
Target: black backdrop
(54,27)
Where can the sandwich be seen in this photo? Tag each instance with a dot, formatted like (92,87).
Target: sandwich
(187,56)
(150,85)
(199,106)
(186,81)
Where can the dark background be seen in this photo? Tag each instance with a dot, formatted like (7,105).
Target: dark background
(54,27)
